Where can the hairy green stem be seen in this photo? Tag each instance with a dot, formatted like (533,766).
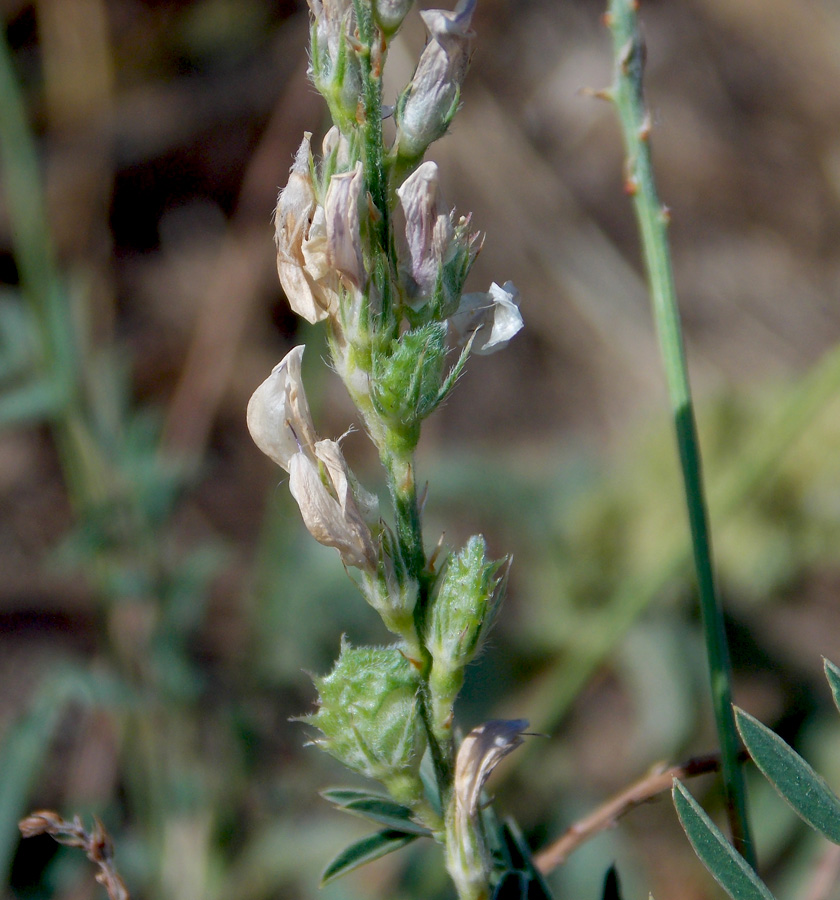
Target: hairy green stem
(653,221)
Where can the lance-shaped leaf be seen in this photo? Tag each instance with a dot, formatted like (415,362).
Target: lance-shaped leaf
(806,791)
(376,808)
(723,861)
(369,848)
(832,673)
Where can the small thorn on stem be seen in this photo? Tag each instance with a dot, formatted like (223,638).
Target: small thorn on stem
(597,93)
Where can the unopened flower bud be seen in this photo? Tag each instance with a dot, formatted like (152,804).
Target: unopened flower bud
(492,316)
(429,103)
(335,149)
(278,412)
(334,66)
(461,614)
(393,593)
(310,286)
(344,243)
(389,14)
(369,717)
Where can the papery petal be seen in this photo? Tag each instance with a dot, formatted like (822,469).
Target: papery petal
(278,412)
(344,243)
(427,232)
(310,300)
(494,315)
(300,231)
(314,247)
(480,752)
(332,522)
(295,205)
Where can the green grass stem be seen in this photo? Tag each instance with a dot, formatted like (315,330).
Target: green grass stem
(653,223)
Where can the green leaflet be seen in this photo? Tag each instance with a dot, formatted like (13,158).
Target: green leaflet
(832,673)
(369,848)
(727,866)
(376,808)
(806,791)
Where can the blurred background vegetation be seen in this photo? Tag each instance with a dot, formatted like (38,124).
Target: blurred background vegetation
(160,603)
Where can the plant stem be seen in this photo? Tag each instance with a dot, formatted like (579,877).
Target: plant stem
(652,218)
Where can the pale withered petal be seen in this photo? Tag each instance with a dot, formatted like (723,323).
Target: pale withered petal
(295,204)
(430,98)
(493,316)
(480,752)
(334,521)
(278,413)
(344,243)
(297,245)
(314,247)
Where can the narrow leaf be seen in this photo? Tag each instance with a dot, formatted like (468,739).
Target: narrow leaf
(369,848)
(612,886)
(520,856)
(722,860)
(832,673)
(512,886)
(377,808)
(806,791)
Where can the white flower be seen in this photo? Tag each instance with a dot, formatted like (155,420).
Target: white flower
(493,317)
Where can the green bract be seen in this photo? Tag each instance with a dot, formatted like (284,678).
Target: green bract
(408,382)
(368,715)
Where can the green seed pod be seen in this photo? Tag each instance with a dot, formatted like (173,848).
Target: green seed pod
(368,715)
